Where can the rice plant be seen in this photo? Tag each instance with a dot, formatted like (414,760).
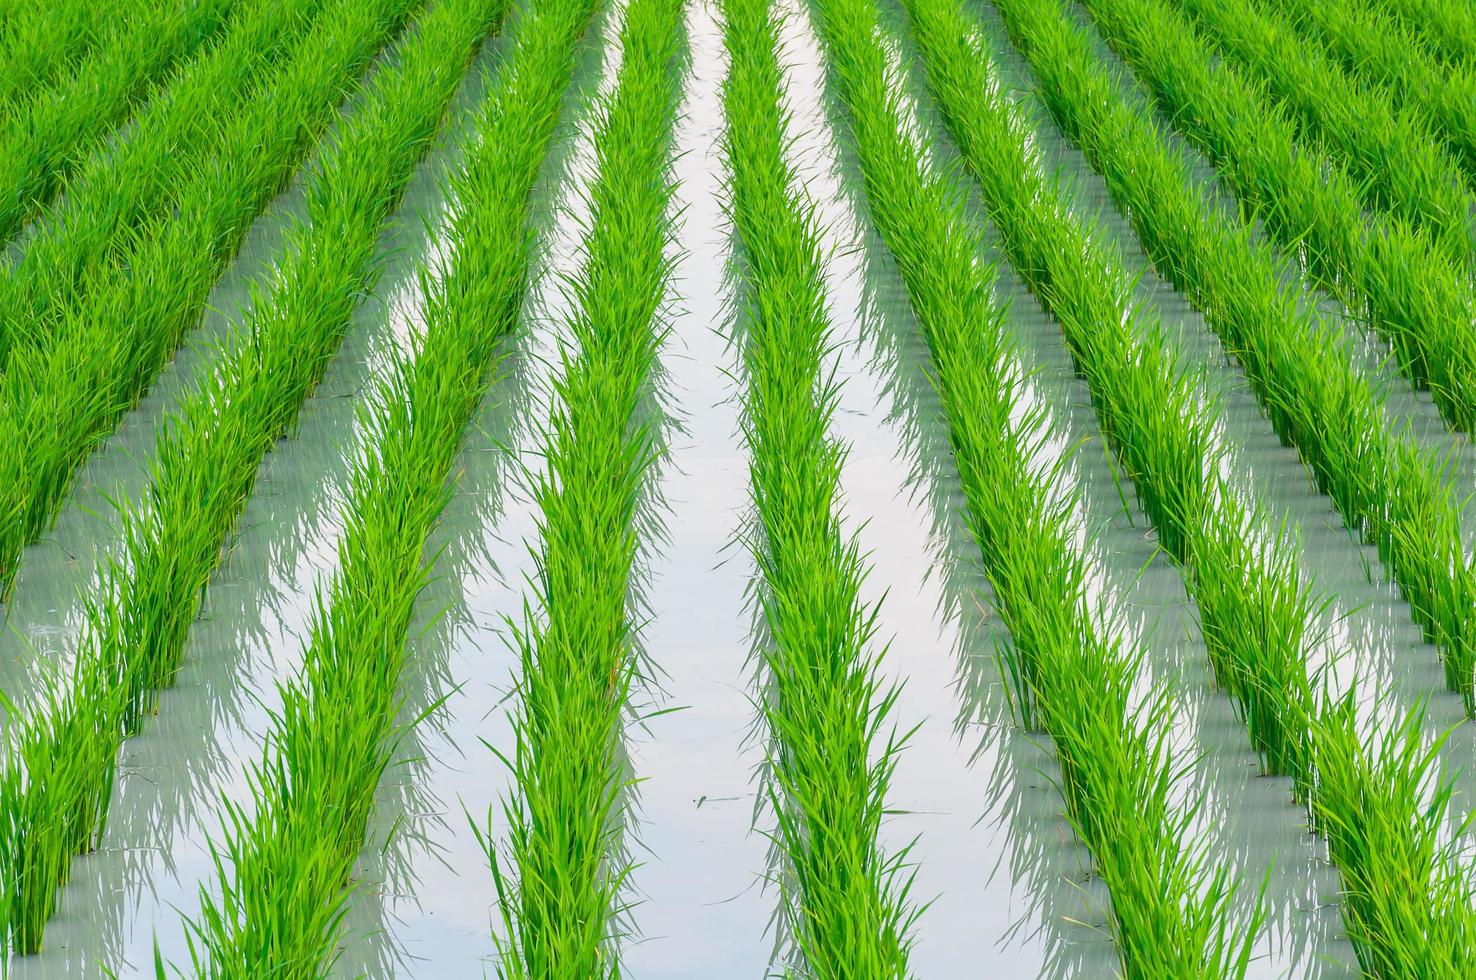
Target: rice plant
(1403,170)
(58,400)
(45,139)
(283,881)
(1371,44)
(1070,672)
(562,872)
(1387,488)
(58,775)
(1384,269)
(828,710)
(1245,579)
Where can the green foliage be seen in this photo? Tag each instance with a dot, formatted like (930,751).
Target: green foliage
(1253,604)
(565,873)
(111,321)
(1384,268)
(1448,27)
(1403,170)
(44,139)
(57,779)
(1070,673)
(122,196)
(1409,903)
(827,708)
(1371,44)
(283,879)
(1364,801)
(42,42)
(1385,485)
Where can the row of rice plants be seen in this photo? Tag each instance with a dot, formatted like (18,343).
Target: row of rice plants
(123,188)
(1070,671)
(107,348)
(1245,580)
(826,707)
(284,868)
(563,868)
(1447,26)
(1402,168)
(1382,267)
(1373,46)
(1383,483)
(44,140)
(1406,898)
(58,774)
(1251,599)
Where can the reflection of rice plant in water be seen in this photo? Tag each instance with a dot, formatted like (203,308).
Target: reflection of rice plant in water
(1302,174)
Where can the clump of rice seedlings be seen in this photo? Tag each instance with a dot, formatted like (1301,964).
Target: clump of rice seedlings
(285,869)
(206,465)
(1072,674)
(1408,901)
(1403,169)
(120,188)
(562,872)
(831,760)
(1448,27)
(42,141)
(1383,268)
(1383,483)
(1246,581)
(56,403)
(1372,45)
